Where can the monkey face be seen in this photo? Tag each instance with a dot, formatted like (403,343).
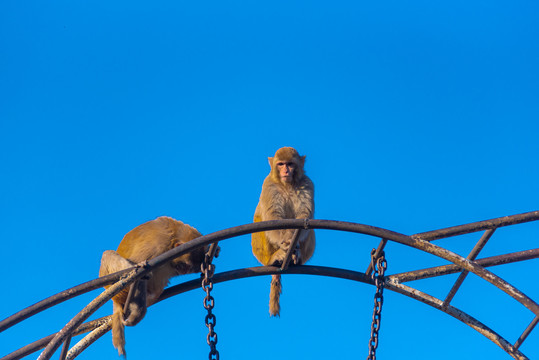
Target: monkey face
(286,166)
(190,262)
(286,171)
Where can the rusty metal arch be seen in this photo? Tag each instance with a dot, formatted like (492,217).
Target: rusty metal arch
(420,241)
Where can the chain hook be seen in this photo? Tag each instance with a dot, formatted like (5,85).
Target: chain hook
(208,269)
(379,265)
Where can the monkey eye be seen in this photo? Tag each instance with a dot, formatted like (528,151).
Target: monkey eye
(289,164)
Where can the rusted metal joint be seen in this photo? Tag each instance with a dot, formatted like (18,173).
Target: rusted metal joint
(375,254)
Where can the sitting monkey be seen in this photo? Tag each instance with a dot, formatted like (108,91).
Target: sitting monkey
(287,193)
(143,243)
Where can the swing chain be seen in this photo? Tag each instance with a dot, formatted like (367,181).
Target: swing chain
(208,269)
(379,265)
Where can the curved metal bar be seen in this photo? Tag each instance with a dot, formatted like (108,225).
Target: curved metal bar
(478,226)
(360,277)
(95,304)
(452,268)
(195,284)
(263,226)
(459,315)
(29,349)
(60,297)
(417,241)
(88,340)
(178,251)
(290,223)
(480,271)
(367,230)
(41,343)
(311,270)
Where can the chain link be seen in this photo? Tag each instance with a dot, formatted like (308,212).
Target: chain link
(379,265)
(208,269)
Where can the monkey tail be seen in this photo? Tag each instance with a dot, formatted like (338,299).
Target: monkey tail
(275,293)
(118,329)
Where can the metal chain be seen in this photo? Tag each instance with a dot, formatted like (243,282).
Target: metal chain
(379,265)
(208,269)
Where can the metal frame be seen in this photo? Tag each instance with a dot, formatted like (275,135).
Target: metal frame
(421,241)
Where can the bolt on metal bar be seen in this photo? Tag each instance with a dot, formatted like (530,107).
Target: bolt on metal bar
(379,250)
(452,268)
(472,256)
(526,332)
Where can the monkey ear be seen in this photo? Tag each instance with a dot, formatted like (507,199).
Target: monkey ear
(302,160)
(270,160)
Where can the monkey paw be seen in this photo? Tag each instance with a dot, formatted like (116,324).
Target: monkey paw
(144,264)
(285,245)
(277,263)
(296,257)
(277,258)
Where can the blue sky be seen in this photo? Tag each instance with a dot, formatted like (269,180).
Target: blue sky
(414,116)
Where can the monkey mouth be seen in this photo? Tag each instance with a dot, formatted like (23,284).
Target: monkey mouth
(286,178)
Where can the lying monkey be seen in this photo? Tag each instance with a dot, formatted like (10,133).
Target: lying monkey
(143,243)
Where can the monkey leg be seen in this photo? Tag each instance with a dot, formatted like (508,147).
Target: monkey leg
(301,252)
(277,257)
(135,299)
(296,256)
(135,306)
(306,247)
(286,237)
(112,262)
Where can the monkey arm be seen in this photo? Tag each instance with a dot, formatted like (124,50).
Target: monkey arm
(304,206)
(272,207)
(277,202)
(272,204)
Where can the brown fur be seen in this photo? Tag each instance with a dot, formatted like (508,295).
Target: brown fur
(143,243)
(280,200)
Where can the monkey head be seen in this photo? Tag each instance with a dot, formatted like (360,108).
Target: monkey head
(286,166)
(189,262)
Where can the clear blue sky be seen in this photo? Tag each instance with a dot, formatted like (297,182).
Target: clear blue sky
(414,116)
